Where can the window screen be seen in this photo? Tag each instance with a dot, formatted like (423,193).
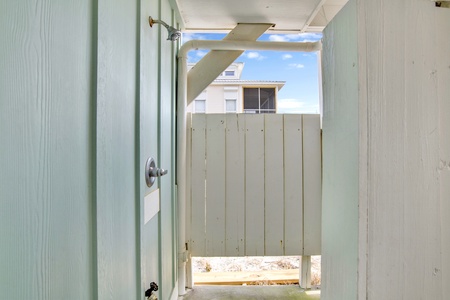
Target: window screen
(259,100)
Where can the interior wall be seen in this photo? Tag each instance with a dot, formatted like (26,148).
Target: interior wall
(340,157)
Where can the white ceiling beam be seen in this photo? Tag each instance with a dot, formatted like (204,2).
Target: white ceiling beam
(216,61)
(313,15)
(176,9)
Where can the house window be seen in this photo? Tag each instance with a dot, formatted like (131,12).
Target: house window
(200,106)
(259,100)
(229,73)
(230,105)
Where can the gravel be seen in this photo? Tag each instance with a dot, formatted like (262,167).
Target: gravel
(254,263)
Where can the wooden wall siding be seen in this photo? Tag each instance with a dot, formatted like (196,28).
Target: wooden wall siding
(247,185)
(312,187)
(386,152)
(404,104)
(234,184)
(254,183)
(293,192)
(116,142)
(76,80)
(46,160)
(340,140)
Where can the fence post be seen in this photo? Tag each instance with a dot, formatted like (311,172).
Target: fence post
(305,272)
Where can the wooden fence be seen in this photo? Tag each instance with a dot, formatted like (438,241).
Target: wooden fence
(254,185)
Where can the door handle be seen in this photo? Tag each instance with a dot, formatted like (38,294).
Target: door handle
(151,172)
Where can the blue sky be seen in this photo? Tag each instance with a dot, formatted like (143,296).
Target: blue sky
(300,94)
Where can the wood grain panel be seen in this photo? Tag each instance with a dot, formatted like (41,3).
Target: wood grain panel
(254,185)
(273,185)
(215,185)
(293,184)
(166,142)
(341,103)
(235,185)
(46,151)
(260,158)
(198,177)
(149,128)
(443,90)
(312,185)
(116,142)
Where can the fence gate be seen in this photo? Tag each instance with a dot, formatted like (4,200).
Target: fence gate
(254,185)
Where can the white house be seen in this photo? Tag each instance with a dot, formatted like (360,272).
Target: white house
(230,94)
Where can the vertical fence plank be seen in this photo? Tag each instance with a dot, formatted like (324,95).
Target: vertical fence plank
(254,184)
(188,179)
(198,176)
(312,184)
(293,189)
(235,185)
(246,185)
(215,185)
(274,185)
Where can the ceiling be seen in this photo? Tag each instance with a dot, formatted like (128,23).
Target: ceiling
(287,15)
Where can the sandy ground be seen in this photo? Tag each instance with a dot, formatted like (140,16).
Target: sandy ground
(254,263)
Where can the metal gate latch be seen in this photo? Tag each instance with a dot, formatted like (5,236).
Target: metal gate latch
(151,172)
(149,292)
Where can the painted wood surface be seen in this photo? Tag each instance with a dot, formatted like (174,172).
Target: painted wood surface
(215,185)
(116,147)
(166,141)
(403,104)
(149,128)
(197,178)
(47,160)
(273,185)
(443,93)
(78,91)
(293,182)
(340,157)
(312,185)
(399,221)
(254,185)
(235,184)
(252,166)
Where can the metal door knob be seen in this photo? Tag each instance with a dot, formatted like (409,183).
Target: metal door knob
(151,172)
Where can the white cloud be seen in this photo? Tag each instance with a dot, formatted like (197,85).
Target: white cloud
(311,36)
(286,56)
(277,38)
(192,36)
(254,55)
(296,106)
(293,36)
(200,53)
(290,103)
(301,37)
(297,66)
(284,37)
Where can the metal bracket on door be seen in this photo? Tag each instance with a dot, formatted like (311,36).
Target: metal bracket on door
(149,293)
(151,172)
